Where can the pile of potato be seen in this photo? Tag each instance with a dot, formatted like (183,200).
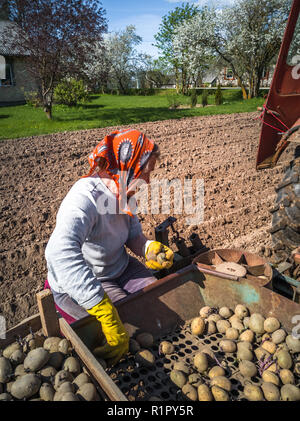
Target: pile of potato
(43,369)
(260,346)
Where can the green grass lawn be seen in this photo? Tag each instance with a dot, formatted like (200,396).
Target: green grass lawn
(111,110)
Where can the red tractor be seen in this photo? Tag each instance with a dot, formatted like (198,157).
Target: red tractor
(281,124)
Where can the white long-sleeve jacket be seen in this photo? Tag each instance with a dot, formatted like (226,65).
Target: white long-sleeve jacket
(87,246)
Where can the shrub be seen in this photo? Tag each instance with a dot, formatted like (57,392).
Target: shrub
(218,96)
(193,99)
(204,98)
(70,92)
(32,98)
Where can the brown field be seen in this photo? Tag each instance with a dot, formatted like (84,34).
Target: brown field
(37,172)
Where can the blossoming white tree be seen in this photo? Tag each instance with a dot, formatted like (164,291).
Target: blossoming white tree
(246,36)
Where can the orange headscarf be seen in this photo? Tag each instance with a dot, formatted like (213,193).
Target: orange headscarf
(126,153)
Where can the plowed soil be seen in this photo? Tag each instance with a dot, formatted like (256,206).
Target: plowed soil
(37,172)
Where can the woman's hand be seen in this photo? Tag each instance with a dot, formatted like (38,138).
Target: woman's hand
(116,336)
(158,256)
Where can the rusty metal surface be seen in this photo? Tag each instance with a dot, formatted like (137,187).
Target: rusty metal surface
(165,309)
(257,268)
(140,383)
(283,98)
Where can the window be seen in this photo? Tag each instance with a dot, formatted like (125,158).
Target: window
(8,81)
(228,73)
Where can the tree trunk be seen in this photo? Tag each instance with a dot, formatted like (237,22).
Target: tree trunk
(176,79)
(48,111)
(243,87)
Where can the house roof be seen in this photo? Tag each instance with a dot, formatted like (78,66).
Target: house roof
(6,45)
(210,76)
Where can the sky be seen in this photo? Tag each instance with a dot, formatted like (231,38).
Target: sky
(146,16)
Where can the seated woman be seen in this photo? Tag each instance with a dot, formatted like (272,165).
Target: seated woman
(89,268)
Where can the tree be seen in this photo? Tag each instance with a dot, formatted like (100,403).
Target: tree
(155,72)
(122,58)
(167,30)
(246,37)
(254,31)
(194,58)
(58,36)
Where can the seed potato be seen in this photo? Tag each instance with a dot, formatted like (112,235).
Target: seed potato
(200,362)
(269,346)
(56,359)
(227,346)
(214,317)
(293,344)
(181,366)
(88,392)
(166,348)
(10,349)
(225,312)
(47,374)
(6,397)
(36,359)
(219,394)
(195,379)
(205,311)
(134,346)
(189,392)
(247,368)
(222,382)
(256,323)
(26,386)
(211,328)
(216,371)
(17,357)
(223,325)
(232,333)
(290,392)
(198,326)
(284,359)
(241,311)
(238,325)
(6,370)
(253,392)
(246,321)
(72,365)
(286,376)
(19,370)
(145,358)
(81,379)
(278,336)
(178,378)
(61,377)
(47,392)
(64,346)
(270,377)
(204,393)
(247,336)
(271,324)
(33,341)
(145,340)
(51,344)
(70,397)
(270,391)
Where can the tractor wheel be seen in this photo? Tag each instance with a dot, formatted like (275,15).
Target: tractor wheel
(285,229)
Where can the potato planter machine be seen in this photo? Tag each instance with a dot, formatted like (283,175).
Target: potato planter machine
(213,277)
